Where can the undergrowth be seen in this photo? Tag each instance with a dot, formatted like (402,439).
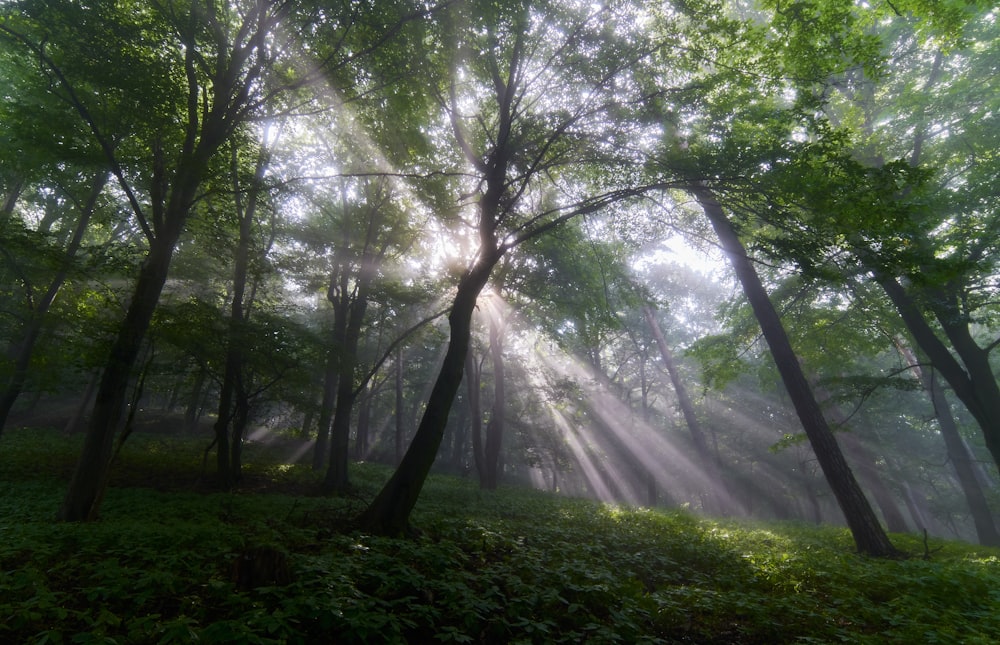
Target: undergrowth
(513,566)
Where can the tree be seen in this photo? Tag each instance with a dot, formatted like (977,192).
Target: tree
(958,451)
(233,415)
(912,203)
(542,102)
(351,283)
(869,537)
(720,497)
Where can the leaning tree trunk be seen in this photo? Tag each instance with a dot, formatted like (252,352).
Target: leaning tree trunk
(869,536)
(389,513)
(81,501)
(958,452)
(720,498)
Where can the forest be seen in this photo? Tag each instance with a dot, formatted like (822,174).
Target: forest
(731,261)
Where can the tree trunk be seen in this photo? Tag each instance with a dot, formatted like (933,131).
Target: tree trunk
(336,480)
(389,513)
(233,388)
(869,537)
(400,427)
(495,427)
(241,418)
(472,384)
(91,469)
(193,410)
(361,441)
(223,466)
(459,437)
(720,499)
(972,382)
(326,408)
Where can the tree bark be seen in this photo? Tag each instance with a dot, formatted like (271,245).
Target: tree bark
(326,408)
(337,480)
(362,440)
(233,388)
(869,537)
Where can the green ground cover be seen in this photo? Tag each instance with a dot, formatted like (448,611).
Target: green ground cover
(163,565)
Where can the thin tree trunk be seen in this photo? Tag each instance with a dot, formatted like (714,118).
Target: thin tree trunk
(361,441)
(495,427)
(869,536)
(958,452)
(330,375)
(472,384)
(193,409)
(25,347)
(973,384)
(400,427)
(459,437)
(240,421)
(233,389)
(720,499)
(337,480)
(223,465)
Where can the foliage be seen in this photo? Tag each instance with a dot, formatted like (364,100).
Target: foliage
(158,567)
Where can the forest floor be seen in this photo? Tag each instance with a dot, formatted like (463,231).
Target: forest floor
(172,561)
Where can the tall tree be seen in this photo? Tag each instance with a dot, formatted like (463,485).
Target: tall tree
(527,94)
(869,536)
(721,500)
(233,414)
(958,451)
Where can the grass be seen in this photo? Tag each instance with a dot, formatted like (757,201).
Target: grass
(514,566)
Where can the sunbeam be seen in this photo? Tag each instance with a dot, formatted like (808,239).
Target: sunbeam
(610,446)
